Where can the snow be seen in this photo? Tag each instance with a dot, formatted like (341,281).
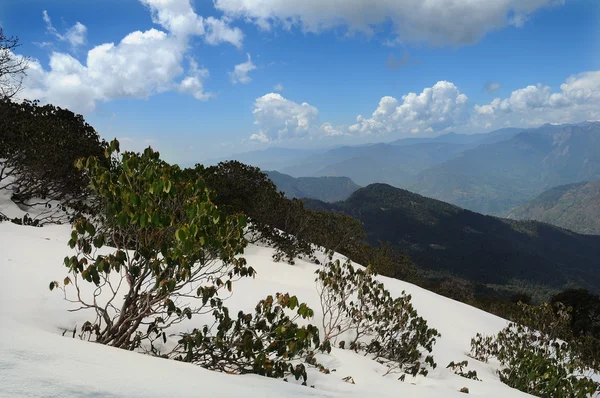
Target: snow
(37,361)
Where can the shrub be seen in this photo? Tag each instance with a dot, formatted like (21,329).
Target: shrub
(459,369)
(534,355)
(171,246)
(585,322)
(274,219)
(38,148)
(354,303)
(264,343)
(585,311)
(388,261)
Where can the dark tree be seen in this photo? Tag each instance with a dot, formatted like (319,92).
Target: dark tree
(12,67)
(38,148)
(585,313)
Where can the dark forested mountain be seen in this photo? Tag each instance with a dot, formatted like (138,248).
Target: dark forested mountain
(443,237)
(328,189)
(573,206)
(494,178)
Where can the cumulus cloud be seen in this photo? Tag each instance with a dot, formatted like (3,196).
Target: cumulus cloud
(179,18)
(278,87)
(280,119)
(240,72)
(218,31)
(192,84)
(328,130)
(437,22)
(141,64)
(578,99)
(434,109)
(75,35)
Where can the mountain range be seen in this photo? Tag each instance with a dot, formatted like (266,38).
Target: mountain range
(573,206)
(327,189)
(495,178)
(397,163)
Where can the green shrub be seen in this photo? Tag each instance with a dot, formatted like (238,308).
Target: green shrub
(265,343)
(459,369)
(536,356)
(355,304)
(38,148)
(171,245)
(273,219)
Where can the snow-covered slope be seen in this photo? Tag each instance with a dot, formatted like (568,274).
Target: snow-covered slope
(37,361)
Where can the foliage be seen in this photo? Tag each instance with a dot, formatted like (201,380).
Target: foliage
(38,148)
(536,355)
(26,220)
(12,67)
(173,250)
(386,260)
(356,305)
(274,219)
(264,343)
(282,223)
(459,369)
(585,310)
(585,322)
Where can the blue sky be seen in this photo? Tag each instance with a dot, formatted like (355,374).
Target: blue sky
(348,72)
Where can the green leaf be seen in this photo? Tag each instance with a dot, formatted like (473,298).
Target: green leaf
(180,234)
(293,303)
(53,284)
(134,200)
(89,227)
(167,186)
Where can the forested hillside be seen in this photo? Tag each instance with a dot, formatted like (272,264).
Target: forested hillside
(443,237)
(573,206)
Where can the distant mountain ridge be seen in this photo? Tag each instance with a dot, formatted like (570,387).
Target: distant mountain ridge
(327,189)
(573,206)
(444,237)
(490,173)
(271,158)
(495,178)
(397,163)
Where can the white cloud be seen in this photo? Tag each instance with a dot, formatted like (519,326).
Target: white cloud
(433,21)
(281,119)
(75,35)
(179,18)
(218,31)
(328,130)
(240,72)
(140,65)
(192,84)
(278,87)
(434,109)
(578,99)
